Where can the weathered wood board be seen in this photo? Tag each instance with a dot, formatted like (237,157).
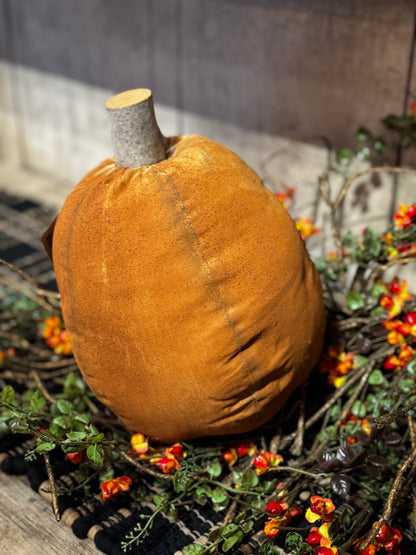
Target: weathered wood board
(28,525)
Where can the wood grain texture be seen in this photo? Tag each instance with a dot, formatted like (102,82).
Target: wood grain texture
(289,67)
(28,525)
(297,69)
(409,155)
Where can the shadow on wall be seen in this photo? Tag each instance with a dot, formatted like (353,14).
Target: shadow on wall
(294,68)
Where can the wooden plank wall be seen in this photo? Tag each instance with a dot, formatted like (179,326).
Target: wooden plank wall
(290,68)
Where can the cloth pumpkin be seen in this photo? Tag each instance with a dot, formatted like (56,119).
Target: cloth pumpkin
(191,302)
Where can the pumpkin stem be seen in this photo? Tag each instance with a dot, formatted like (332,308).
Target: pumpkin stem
(137,140)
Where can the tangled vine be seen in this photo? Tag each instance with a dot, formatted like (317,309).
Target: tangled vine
(333,473)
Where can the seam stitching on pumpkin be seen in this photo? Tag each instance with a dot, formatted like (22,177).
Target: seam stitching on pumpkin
(218,296)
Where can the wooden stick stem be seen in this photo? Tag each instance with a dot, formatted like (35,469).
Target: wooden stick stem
(137,140)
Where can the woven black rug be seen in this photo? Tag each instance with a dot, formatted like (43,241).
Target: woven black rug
(22,222)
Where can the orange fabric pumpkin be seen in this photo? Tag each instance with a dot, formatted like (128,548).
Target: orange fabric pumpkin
(191,302)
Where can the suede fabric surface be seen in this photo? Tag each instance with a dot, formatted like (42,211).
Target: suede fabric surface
(191,302)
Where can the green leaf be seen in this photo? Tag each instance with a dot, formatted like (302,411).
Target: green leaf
(377,290)
(65,407)
(268,486)
(372,246)
(267,548)
(62,421)
(172,512)
(364,154)
(95,438)
(377,378)
(393,122)
(43,447)
(330,274)
(248,526)
(160,500)
(237,477)
(256,502)
(83,418)
(38,401)
(96,454)
(331,433)
(54,410)
(411,368)
(240,517)
(380,145)
(363,135)
(233,540)
(378,311)
(344,156)
(214,468)
(359,409)
(229,529)
(4,429)
(107,475)
(201,494)
(76,436)
(335,413)
(293,540)
(74,385)
(193,549)
(250,478)
(8,395)
(214,534)
(355,301)
(320,264)
(411,401)
(18,427)
(360,360)
(56,430)
(218,496)
(71,448)
(181,481)
(406,385)
(350,240)
(79,404)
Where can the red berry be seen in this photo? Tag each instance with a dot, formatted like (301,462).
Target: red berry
(411,318)
(324,551)
(395,288)
(314,539)
(274,508)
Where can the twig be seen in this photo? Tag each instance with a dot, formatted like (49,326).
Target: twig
(326,195)
(412,427)
(391,503)
(401,259)
(412,473)
(95,410)
(385,169)
(334,397)
(362,383)
(296,471)
(297,446)
(23,343)
(13,315)
(230,513)
(387,419)
(37,294)
(42,388)
(144,469)
(52,486)
(69,362)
